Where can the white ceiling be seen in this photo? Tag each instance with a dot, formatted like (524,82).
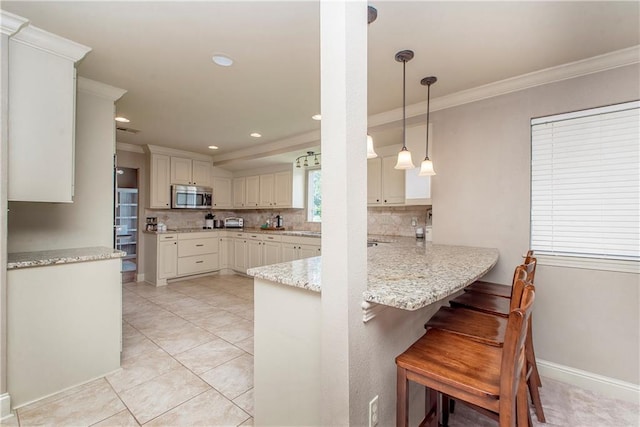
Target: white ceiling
(160,52)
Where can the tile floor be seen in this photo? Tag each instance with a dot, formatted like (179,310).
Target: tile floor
(188,361)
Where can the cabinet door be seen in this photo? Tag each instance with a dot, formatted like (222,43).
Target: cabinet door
(226,252)
(254,253)
(283,189)
(252,191)
(271,252)
(167,259)
(392,182)
(222,192)
(239,191)
(160,186)
(374,181)
(307,251)
(201,173)
(289,252)
(240,255)
(266,191)
(180,171)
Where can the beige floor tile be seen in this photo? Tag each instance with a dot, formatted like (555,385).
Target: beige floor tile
(177,339)
(133,346)
(236,332)
(216,319)
(232,378)
(246,345)
(62,395)
(87,406)
(207,356)
(207,409)
(138,369)
(121,419)
(245,310)
(222,300)
(152,398)
(9,422)
(245,401)
(247,423)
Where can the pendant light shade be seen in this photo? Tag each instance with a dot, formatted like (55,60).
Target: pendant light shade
(404,156)
(426,167)
(371,153)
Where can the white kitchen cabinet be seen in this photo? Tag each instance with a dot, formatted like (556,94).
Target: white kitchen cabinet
(222,193)
(294,247)
(240,254)
(161,257)
(198,252)
(186,171)
(267,191)
(392,182)
(252,191)
(167,259)
(254,251)
(41,115)
(271,250)
(374,181)
(159,182)
(283,189)
(226,252)
(239,191)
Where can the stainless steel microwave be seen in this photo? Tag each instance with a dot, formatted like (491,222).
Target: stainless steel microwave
(191,197)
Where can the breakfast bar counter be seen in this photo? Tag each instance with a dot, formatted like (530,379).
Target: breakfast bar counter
(403,272)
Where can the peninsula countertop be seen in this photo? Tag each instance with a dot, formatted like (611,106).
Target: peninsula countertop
(60,256)
(402,272)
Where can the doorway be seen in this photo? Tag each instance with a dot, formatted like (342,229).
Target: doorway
(126,221)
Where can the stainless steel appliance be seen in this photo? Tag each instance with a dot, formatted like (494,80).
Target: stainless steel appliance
(233,222)
(191,197)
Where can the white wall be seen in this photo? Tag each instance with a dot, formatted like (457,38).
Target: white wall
(583,319)
(88,221)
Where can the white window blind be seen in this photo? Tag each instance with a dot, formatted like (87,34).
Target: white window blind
(585,183)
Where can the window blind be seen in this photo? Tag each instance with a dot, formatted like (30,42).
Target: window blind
(585,183)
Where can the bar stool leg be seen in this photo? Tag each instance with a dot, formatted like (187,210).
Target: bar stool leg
(402,403)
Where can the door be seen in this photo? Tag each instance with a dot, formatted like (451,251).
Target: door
(167,259)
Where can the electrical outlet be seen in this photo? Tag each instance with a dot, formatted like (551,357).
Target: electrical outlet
(373,412)
(414,221)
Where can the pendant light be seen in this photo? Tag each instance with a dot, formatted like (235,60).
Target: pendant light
(404,156)
(426,167)
(371,153)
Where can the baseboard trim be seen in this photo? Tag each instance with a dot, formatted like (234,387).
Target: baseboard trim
(599,383)
(5,406)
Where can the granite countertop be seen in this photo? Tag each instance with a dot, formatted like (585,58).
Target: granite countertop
(402,272)
(60,256)
(300,233)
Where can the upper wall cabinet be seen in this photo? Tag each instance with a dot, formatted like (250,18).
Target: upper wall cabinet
(168,166)
(222,192)
(277,190)
(41,115)
(190,172)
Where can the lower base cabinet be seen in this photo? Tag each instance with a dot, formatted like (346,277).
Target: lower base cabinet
(174,255)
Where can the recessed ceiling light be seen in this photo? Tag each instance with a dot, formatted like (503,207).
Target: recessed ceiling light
(122,119)
(213,147)
(256,135)
(222,60)
(316,117)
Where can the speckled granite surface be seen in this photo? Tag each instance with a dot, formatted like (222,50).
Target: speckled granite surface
(301,233)
(403,273)
(60,256)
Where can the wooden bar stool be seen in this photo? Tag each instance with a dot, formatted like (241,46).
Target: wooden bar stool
(490,379)
(482,317)
(497,289)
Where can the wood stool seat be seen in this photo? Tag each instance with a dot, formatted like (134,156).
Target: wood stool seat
(475,325)
(484,303)
(489,288)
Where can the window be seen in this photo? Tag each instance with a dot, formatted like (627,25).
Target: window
(585,185)
(314,195)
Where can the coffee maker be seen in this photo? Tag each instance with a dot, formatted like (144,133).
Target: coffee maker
(208,221)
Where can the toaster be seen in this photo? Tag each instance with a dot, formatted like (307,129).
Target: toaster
(233,222)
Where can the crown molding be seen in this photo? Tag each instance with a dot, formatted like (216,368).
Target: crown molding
(102,90)
(10,23)
(51,43)
(596,64)
(156,149)
(132,148)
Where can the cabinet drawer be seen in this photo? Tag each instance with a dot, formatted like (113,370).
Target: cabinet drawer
(197,264)
(164,237)
(197,247)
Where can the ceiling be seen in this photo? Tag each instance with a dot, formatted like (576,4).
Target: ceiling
(160,52)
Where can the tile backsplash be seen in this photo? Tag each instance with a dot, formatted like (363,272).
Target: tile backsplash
(389,221)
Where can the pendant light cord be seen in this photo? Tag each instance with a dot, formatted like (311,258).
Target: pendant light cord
(426,152)
(404,105)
